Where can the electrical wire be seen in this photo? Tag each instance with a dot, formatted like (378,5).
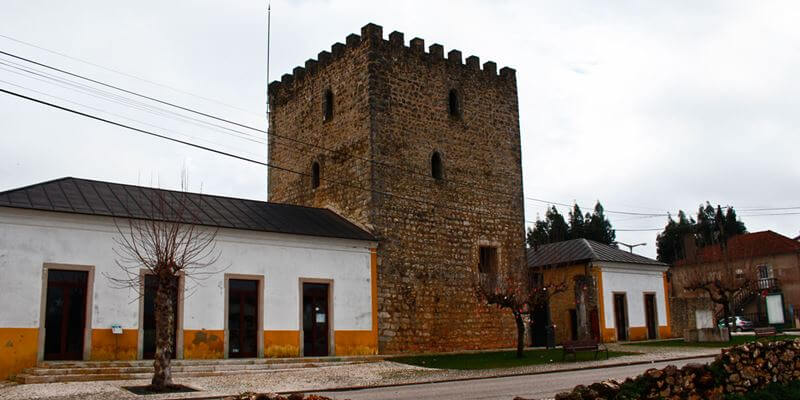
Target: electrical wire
(242,158)
(128,75)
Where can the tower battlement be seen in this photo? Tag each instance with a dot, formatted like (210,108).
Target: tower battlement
(372,37)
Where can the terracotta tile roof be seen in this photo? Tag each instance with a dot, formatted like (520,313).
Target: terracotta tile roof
(756,244)
(83,196)
(582,250)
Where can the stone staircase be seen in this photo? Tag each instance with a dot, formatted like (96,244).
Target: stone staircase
(81,371)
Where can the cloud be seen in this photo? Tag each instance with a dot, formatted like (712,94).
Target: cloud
(646,106)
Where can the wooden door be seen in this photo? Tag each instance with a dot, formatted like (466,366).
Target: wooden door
(539,325)
(315,319)
(650,316)
(243,312)
(65,314)
(621,316)
(573,324)
(595,323)
(149,319)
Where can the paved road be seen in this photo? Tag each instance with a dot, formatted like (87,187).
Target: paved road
(541,386)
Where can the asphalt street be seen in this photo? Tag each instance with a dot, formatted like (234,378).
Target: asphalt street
(542,386)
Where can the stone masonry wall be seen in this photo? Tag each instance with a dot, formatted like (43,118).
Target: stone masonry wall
(429,230)
(682,312)
(737,370)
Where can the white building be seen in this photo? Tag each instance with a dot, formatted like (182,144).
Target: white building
(290,280)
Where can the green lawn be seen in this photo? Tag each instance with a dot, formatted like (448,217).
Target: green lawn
(736,340)
(500,359)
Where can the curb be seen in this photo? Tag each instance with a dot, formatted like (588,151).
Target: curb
(461,379)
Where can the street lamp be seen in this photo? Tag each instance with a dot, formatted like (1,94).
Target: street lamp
(630,246)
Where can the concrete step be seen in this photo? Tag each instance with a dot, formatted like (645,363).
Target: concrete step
(228,361)
(26,378)
(46,375)
(175,368)
(81,371)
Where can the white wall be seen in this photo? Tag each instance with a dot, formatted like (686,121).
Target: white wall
(29,239)
(633,280)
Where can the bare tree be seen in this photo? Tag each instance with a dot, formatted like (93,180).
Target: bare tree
(515,292)
(724,285)
(168,243)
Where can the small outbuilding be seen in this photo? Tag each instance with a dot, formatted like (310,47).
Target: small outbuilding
(621,296)
(289,280)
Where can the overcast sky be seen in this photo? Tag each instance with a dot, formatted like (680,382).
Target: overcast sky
(649,107)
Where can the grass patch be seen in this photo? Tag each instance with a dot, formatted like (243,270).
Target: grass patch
(736,340)
(501,359)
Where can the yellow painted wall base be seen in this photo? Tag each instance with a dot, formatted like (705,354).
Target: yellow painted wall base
(108,346)
(18,347)
(609,335)
(637,333)
(203,344)
(664,332)
(355,343)
(281,343)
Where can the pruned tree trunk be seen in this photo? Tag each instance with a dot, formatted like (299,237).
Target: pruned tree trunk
(165,322)
(520,334)
(726,314)
(582,286)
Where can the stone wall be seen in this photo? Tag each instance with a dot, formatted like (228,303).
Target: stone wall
(682,312)
(391,113)
(739,369)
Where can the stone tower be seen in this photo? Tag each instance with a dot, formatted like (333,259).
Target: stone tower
(422,150)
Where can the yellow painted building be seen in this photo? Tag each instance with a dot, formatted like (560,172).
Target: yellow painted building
(626,295)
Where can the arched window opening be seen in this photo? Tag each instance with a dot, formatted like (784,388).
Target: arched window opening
(327,106)
(453,104)
(315,175)
(437,170)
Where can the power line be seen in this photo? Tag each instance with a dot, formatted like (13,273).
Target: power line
(95,109)
(127,74)
(122,100)
(269,133)
(100,94)
(227,154)
(604,210)
(167,103)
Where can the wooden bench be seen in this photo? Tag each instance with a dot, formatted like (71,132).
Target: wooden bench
(574,346)
(764,332)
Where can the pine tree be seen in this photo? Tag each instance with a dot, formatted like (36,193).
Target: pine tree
(559,230)
(540,234)
(577,225)
(600,229)
(554,228)
(711,227)
(705,227)
(732,224)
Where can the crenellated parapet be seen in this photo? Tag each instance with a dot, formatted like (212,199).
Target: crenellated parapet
(372,36)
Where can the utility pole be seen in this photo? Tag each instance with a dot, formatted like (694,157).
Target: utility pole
(630,246)
(269,12)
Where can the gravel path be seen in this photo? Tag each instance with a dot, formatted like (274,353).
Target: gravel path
(315,379)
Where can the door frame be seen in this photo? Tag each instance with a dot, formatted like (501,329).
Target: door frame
(178,315)
(87,323)
(655,311)
(627,314)
(260,302)
(331,330)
